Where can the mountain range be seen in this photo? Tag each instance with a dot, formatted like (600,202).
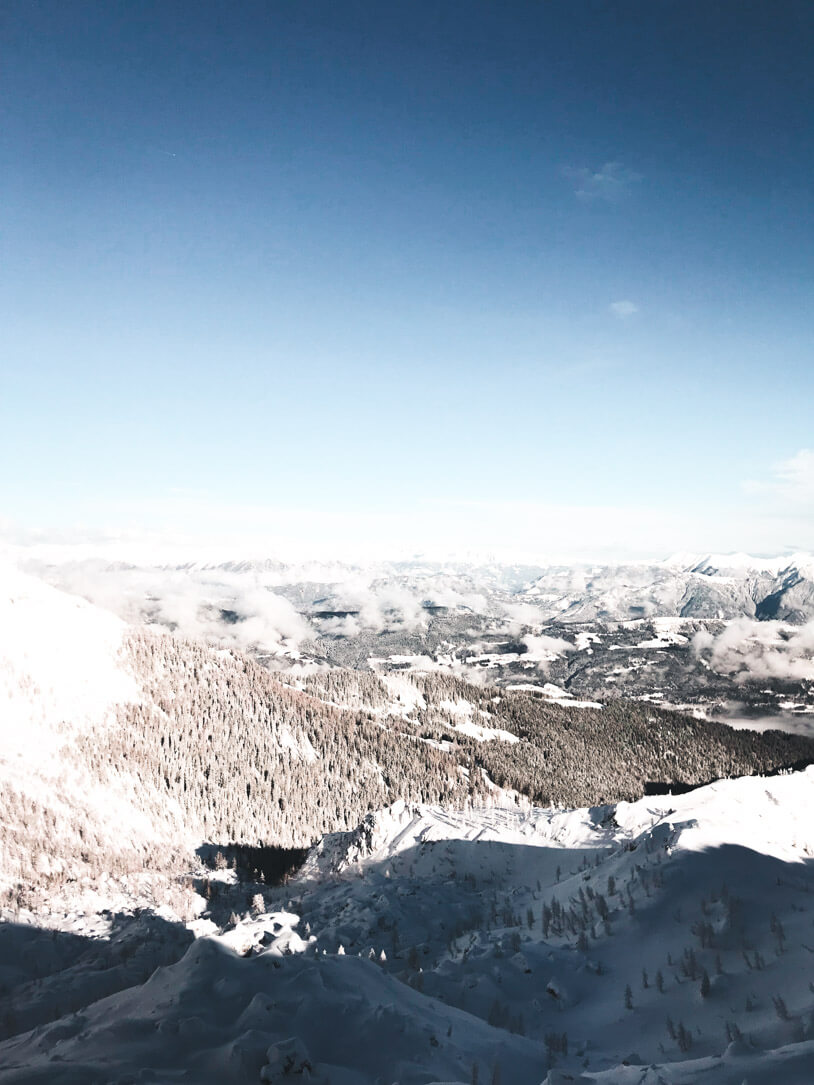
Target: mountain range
(216,853)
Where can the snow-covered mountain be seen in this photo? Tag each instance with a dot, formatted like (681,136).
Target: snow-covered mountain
(457,932)
(722,586)
(728,636)
(713,586)
(190,743)
(659,941)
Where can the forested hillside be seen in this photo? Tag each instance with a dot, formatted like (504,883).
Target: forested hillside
(217,749)
(251,759)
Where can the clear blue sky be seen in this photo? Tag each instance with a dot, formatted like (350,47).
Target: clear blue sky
(308,265)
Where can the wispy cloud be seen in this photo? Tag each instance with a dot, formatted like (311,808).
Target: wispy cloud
(795,476)
(792,480)
(623,309)
(608,183)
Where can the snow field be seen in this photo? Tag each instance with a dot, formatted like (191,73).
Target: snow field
(668,940)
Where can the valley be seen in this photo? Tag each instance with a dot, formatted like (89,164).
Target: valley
(510,850)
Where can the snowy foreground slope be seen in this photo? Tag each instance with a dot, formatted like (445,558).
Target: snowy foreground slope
(669,940)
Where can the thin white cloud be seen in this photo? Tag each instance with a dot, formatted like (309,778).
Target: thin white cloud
(795,476)
(792,481)
(608,183)
(623,309)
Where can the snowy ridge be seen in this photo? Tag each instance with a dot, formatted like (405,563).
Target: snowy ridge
(713,586)
(738,563)
(450,946)
(770,816)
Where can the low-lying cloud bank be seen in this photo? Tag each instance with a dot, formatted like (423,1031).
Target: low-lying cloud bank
(543,650)
(378,605)
(278,609)
(751,650)
(226,608)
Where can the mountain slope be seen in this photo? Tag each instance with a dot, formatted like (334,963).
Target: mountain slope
(461,933)
(660,941)
(206,745)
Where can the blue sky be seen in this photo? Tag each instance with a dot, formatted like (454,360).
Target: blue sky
(523,277)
